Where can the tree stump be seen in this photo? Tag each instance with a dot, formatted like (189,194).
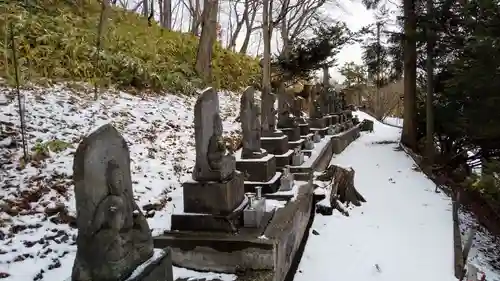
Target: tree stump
(343,186)
(342,190)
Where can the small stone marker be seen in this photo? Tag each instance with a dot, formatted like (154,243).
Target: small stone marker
(331,130)
(114,238)
(316,137)
(308,144)
(213,163)
(254,212)
(286,179)
(298,157)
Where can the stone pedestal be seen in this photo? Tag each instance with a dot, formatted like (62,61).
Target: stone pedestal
(261,169)
(315,123)
(208,222)
(335,119)
(292,133)
(275,145)
(304,129)
(211,206)
(328,120)
(213,197)
(253,214)
(296,144)
(284,159)
(321,131)
(158,267)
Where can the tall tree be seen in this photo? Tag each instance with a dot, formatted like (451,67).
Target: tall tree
(409,132)
(429,139)
(207,40)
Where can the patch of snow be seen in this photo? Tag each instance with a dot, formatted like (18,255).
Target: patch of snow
(272,204)
(485,253)
(157,253)
(394,121)
(188,274)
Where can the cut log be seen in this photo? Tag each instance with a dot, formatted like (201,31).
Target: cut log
(343,188)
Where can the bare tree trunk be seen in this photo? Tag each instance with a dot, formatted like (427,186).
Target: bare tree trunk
(162,12)
(246,43)
(326,77)
(145,8)
(100,30)
(429,140)
(284,36)
(207,40)
(266,68)
(166,14)
(249,28)
(195,20)
(409,133)
(237,30)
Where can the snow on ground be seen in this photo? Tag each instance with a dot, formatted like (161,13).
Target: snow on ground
(403,232)
(485,251)
(37,202)
(394,121)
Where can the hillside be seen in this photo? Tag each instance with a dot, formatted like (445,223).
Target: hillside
(37,207)
(56,40)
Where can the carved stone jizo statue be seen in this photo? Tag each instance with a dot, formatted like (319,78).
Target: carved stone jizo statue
(213,162)
(113,235)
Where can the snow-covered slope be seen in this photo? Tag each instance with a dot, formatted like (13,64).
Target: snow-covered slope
(37,199)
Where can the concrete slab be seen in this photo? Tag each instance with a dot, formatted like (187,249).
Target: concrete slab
(284,159)
(261,254)
(320,155)
(267,187)
(342,140)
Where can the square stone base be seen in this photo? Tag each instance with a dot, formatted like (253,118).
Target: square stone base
(275,145)
(246,251)
(262,169)
(298,143)
(328,120)
(213,197)
(310,136)
(321,131)
(317,123)
(292,133)
(284,159)
(304,129)
(267,187)
(207,222)
(335,119)
(158,267)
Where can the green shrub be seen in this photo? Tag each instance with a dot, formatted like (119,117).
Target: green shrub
(56,39)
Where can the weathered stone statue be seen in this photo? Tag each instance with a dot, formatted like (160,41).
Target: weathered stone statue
(316,110)
(113,235)
(268,113)
(287,120)
(213,162)
(297,107)
(250,125)
(211,198)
